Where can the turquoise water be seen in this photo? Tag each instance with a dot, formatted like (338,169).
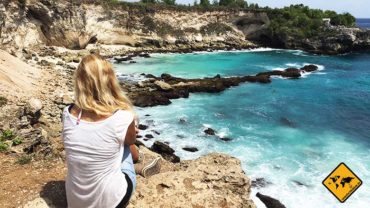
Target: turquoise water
(328,113)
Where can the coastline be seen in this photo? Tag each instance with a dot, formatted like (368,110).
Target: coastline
(33,111)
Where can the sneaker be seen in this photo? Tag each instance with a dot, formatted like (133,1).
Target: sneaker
(147,169)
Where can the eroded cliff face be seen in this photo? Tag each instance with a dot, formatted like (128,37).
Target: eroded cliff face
(335,40)
(59,23)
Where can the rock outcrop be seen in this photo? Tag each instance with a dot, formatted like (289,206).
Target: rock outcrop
(333,40)
(150,93)
(214,180)
(269,201)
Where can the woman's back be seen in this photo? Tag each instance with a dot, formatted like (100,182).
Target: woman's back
(94,152)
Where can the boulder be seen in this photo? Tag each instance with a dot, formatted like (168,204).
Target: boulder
(210,131)
(226,139)
(33,110)
(163,86)
(190,149)
(142,127)
(310,68)
(214,180)
(269,201)
(166,151)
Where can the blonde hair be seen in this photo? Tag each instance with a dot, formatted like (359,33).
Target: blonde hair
(96,87)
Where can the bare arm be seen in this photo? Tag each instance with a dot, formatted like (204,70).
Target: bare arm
(131,134)
(134,153)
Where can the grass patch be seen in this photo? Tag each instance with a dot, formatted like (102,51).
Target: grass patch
(24,159)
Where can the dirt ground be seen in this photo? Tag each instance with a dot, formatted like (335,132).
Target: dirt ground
(22,183)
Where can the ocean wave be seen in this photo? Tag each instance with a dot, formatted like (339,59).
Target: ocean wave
(134,77)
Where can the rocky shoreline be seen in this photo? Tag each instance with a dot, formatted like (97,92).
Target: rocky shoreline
(35,118)
(160,90)
(48,39)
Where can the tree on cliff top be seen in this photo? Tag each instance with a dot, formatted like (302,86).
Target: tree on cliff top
(205,3)
(233,3)
(149,1)
(169,2)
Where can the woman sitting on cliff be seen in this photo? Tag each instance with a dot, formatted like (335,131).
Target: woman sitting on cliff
(97,133)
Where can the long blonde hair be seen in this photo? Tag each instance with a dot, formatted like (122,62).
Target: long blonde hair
(96,87)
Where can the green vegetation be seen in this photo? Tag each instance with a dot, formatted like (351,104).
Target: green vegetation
(3,101)
(17,141)
(7,135)
(302,22)
(7,139)
(3,146)
(24,159)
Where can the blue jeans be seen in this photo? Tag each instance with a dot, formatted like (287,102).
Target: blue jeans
(127,165)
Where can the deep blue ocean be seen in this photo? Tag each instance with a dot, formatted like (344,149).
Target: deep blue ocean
(363,23)
(285,131)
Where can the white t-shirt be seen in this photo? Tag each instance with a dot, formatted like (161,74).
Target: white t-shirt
(94,152)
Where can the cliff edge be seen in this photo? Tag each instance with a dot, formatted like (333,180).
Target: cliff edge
(214,180)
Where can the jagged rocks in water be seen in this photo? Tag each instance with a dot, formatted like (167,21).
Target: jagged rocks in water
(145,55)
(156,132)
(287,122)
(190,149)
(149,136)
(260,183)
(310,68)
(269,201)
(142,127)
(121,59)
(226,139)
(299,183)
(166,151)
(160,90)
(210,131)
(288,73)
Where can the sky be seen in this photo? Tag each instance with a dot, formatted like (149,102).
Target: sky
(358,8)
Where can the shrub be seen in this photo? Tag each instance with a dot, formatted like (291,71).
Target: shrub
(24,159)
(7,134)
(17,141)
(3,146)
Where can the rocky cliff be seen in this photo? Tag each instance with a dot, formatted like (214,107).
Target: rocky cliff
(73,26)
(34,23)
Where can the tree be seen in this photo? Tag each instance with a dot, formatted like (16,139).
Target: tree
(169,2)
(148,1)
(225,2)
(204,3)
(196,3)
(215,3)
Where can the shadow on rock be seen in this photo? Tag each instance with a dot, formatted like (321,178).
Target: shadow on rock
(55,193)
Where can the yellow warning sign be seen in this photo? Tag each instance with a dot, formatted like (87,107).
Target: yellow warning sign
(342,182)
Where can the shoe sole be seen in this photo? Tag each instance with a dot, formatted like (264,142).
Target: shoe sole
(153,168)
